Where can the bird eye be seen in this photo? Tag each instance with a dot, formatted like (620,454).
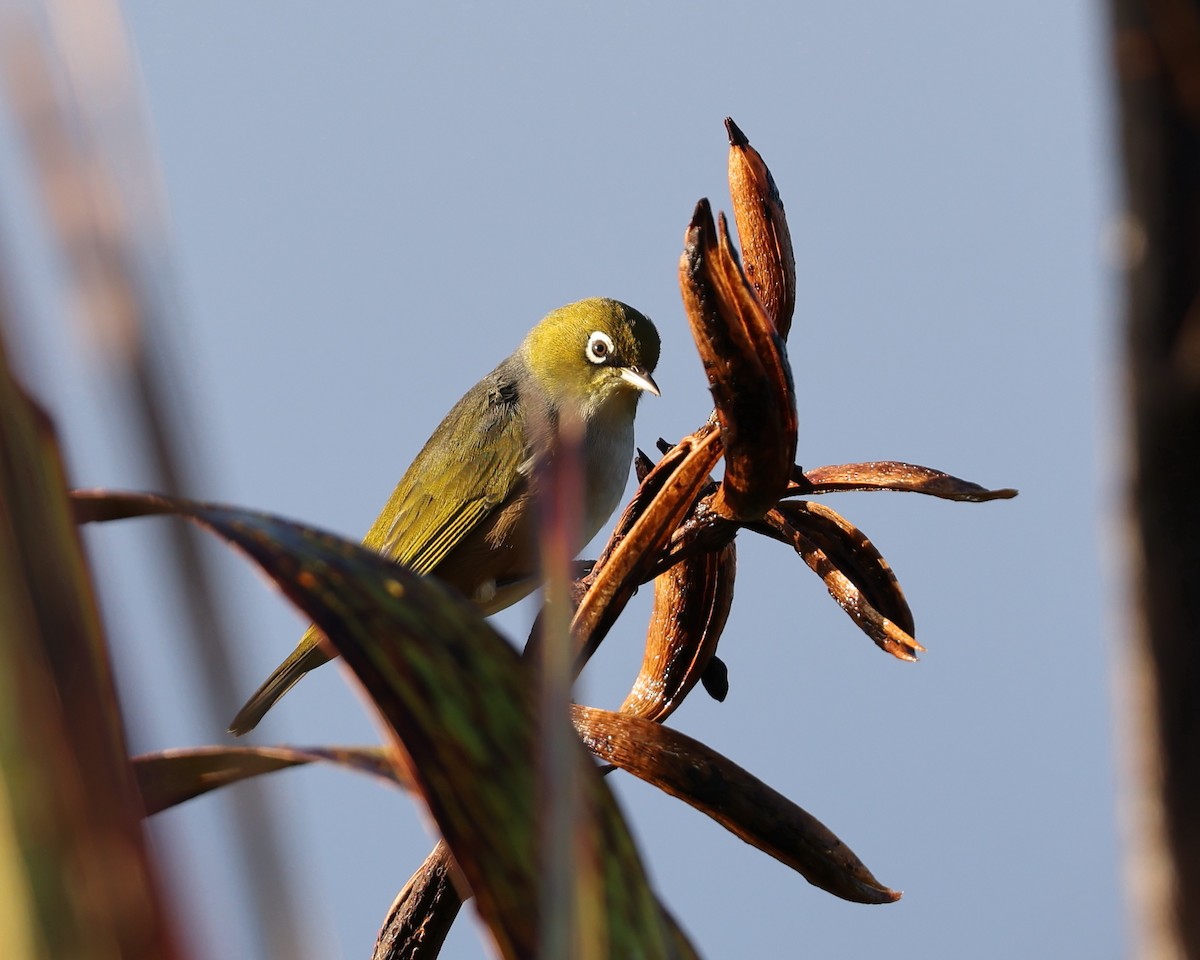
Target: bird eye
(599,346)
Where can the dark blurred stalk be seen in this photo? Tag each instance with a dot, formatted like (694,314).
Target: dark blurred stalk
(1157,57)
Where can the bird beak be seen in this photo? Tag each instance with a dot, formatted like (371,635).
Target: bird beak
(639,378)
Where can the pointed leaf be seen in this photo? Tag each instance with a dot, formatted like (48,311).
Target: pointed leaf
(77,878)
(170,777)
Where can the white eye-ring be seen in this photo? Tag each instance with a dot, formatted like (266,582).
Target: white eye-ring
(599,346)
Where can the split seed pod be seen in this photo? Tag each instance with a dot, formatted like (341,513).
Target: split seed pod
(748,374)
(762,230)
(691,604)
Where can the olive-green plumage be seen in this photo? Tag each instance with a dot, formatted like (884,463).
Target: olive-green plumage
(464,510)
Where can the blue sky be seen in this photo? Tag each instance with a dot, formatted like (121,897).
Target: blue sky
(368,208)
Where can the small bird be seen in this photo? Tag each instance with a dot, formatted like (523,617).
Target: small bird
(465,510)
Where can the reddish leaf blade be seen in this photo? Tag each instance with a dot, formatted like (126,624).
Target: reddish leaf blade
(462,707)
(77,878)
(171,777)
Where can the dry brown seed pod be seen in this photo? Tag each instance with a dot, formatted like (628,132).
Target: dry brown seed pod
(851,552)
(887,634)
(739,801)
(691,604)
(745,362)
(762,230)
(664,498)
(891,475)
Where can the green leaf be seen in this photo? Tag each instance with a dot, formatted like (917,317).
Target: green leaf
(75,876)
(462,706)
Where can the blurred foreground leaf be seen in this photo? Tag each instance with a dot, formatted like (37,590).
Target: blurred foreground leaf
(462,706)
(170,777)
(75,878)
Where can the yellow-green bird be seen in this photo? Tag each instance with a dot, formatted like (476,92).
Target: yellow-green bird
(464,511)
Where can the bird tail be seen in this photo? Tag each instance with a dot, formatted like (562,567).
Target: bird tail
(307,656)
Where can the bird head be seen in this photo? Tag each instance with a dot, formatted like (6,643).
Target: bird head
(593,353)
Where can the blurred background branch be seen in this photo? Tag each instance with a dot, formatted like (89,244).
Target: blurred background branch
(1157,57)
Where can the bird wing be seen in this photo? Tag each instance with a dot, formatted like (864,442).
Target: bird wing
(473,463)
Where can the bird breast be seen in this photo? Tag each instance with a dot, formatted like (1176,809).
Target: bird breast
(607,454)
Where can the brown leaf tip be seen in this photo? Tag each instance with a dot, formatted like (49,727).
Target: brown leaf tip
(736,137)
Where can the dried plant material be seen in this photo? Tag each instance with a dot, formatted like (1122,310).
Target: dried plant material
(853,554)
(691,604)
(423,912)
(745,362)
(891,475)
(739,801)
(703,530)
(762,230)
(645,527)
(886,634)
(715,679)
